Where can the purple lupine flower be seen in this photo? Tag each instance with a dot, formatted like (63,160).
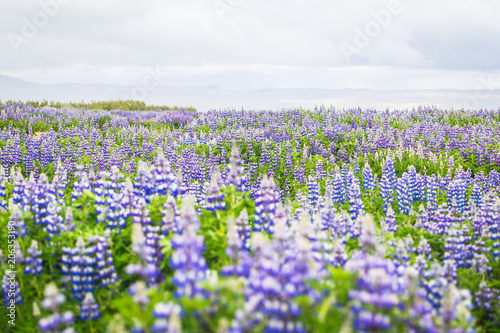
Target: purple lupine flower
(55,322)
(167,318)
(3,180)
(477,195)
(104,259)
(19,184)
(163,175)
(236,170)
(9,283)
(53,222)
(385,191)
(170,221)
(390,220)
(403,193)
(89,308)
(244,229)
(81,185)
(215,198)
(390,172)
(79,263)
(356,206)
(455,311)
(265,205)
(69,224)
(368,184)
(432,192)
(241,260)
(435,285)
(16,218)
(187,260)
(145,269)
(144,182)
(424,248)
(486,297)
(312,193)
(140,213)
(154,256)
(277,278)
(328,214)
(375,294)
(33,261)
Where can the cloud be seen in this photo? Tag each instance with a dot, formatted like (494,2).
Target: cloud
(266,44)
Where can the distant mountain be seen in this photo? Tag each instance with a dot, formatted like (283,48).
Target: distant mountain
(214,97)
(7,82)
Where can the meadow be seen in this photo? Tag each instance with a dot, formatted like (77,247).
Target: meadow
(319,220)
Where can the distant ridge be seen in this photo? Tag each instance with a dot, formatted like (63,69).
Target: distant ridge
(213,97)
(8,82)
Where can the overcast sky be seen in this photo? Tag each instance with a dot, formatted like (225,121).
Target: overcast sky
(252,44)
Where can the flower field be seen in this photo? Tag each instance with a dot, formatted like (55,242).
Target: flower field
(317,220)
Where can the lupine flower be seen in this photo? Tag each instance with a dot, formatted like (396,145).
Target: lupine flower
(69,224)
(3,180)
(166,318)
(89,308)
(7,281)
(265,205)
(368,184)
(81,185)
(215,199)
(104,259)
(385,192)
(403,195)
(241,260)
(278,276)
(356,206)
(486,298)
(56,321)
(456,310)
(375,294)
(17,219)
(235,170)
(312,193)
(390,172)
(79,263)
(144,268)
(163,174)
(33,261)
(189,264)
(244,229)
(368,239)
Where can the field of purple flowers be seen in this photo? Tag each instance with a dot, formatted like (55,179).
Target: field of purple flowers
(241,221)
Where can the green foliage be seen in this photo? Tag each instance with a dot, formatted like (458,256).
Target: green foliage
(126,105)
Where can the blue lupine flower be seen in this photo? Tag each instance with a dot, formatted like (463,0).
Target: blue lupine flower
(33,262)
(241,260)
(356,206)
(56,321)
(385,192)
(244,229)
(89,308)
(265,205)
(170,221)
(368,184)
(166,318)
(403,195)
(215,198)
(339,195)
(104,259)
(312,193)
(375,293)
(187,259)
